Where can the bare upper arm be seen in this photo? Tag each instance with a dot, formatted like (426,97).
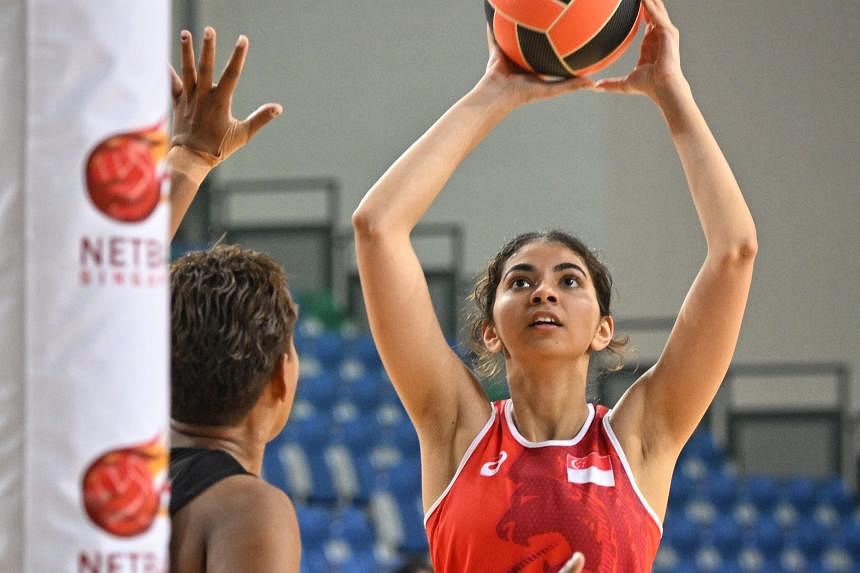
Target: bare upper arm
(436,388)
(252,528)
(657,415)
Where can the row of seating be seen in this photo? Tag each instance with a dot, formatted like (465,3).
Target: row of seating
(349,458)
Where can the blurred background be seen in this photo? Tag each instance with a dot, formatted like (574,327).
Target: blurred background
(768,482)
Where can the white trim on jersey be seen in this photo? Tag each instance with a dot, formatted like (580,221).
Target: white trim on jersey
(618,450)
(469,451)
(509,405)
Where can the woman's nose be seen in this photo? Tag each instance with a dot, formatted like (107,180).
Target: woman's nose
(543,293)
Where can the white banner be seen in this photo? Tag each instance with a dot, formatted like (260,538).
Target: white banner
(12,95)
(94,333)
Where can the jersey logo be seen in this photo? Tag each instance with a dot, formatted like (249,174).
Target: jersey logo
(593,468)
(490,469)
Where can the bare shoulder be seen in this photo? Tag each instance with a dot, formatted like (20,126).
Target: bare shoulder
(251,526)
(244,492)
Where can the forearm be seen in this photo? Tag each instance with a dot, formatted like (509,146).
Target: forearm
(407,189)
(723,213)
(187,170)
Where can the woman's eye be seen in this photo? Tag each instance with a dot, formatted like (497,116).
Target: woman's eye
(570,281)
(520,283)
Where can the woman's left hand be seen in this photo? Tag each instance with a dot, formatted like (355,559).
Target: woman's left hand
(658,70)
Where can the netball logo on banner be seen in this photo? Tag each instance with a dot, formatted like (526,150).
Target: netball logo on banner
(124,177)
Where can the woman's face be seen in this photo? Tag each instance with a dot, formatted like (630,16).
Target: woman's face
(546,306)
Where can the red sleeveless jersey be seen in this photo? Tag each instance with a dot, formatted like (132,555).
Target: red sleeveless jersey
(519,506)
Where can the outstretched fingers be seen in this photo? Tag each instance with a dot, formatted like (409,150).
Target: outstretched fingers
(260,117)
(189,69)
(233,69)
(175,84)
(206,67)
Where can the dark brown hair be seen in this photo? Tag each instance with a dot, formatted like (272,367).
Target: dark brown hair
(484,296)
(232,319)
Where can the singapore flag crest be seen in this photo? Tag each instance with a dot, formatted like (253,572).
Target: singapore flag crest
(592,468)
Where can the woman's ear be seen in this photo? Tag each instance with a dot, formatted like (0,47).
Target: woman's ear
(603,335)
(491,338)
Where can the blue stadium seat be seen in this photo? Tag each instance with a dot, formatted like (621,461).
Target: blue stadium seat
(364,350)
(721,489)
(329,348)
(762,492)
(320,391)
(350,454)
(703,446)
(396,508)
(767,536)
(352,526)
(810,538)
(850,537)
(727,537)
(802,493)
(682,535)
(298,464)
(681,491)
(835,492)
(364,392)
(405,439)
(313,526)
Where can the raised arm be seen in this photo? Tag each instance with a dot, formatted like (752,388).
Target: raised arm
(434,385)
(664,407)
(204,131)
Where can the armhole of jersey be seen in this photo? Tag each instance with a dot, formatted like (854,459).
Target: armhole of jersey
(468,454)
(618,450)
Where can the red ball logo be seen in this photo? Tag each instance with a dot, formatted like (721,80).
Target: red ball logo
(120,491)
(123,175)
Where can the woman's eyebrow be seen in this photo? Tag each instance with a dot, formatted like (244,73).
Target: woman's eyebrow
(521,267)
(566,266)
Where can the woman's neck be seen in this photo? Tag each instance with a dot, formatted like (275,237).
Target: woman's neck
(548,400)
(240,442)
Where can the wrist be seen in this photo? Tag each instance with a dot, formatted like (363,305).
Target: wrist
(190,163)
(672,93)
(490,95)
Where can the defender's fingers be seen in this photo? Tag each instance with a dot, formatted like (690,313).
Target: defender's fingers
(233,69)
(263,115)
(189,70)
(175,83)
(206,68)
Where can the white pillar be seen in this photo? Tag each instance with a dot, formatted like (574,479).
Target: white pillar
(83,224)
(11,283)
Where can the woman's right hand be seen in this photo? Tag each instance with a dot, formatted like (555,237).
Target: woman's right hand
(505,80)
(574,565)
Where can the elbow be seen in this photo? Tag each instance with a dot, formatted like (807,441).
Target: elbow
(365,224)
(741,253)
(372,221)
(360,221)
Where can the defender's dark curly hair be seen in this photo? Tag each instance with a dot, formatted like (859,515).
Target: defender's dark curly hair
(232,319)
(484,296)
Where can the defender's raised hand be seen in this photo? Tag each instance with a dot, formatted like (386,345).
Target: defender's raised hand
(204,131)
(202,114)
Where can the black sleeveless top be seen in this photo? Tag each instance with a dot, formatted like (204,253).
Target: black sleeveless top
(193,470)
